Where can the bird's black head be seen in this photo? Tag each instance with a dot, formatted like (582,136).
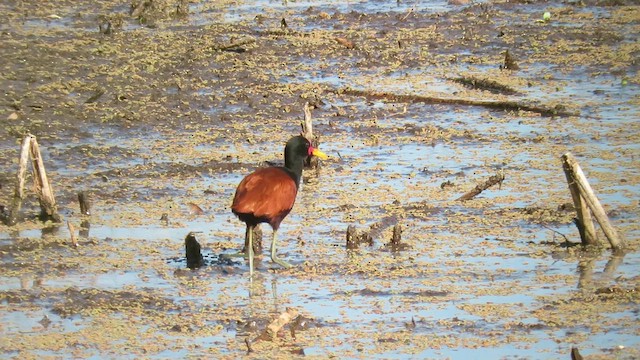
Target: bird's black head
(298,148)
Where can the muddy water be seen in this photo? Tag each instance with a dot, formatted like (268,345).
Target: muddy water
(182,118)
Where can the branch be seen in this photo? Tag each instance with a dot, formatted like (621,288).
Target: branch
(495,179)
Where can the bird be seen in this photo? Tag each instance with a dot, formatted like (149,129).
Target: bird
(267,195)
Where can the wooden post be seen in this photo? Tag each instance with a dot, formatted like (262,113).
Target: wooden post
(584,222)
(307,132)
(18,194)
(352,237)
(586,193)
(85,203)
(42,187)
(355,238)
(397,235)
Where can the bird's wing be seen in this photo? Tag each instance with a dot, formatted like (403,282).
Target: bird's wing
(267,192)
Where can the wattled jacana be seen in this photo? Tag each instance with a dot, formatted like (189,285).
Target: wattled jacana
(268,194)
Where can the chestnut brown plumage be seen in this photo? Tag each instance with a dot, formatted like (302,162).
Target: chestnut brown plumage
(267,195)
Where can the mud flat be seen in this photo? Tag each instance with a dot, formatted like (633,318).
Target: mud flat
(156,110)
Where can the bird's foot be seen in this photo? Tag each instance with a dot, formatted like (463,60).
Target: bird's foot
(234,255)
(282,263)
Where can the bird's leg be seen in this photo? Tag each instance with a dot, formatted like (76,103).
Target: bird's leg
(250,250)
(274,258)
(244,254)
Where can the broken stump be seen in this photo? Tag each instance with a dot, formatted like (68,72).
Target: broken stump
(85,204)
(355,238)
(257,241)
(193,252)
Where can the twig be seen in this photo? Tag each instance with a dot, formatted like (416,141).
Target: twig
(566,240)
(407,15)
(72,234)
(404,111)
(234,45)
(495,179)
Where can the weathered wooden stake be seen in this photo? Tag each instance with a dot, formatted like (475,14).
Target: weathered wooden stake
(586,193)
(42,187)
(397,234)
(72,234)
(575,354)
(352,237)
(583,221)
(307,132)
(18,196)
(85,203)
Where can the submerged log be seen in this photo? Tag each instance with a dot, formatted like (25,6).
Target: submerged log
(581,190)
(235,46)
(486,84)
(557,110)
(493,180)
